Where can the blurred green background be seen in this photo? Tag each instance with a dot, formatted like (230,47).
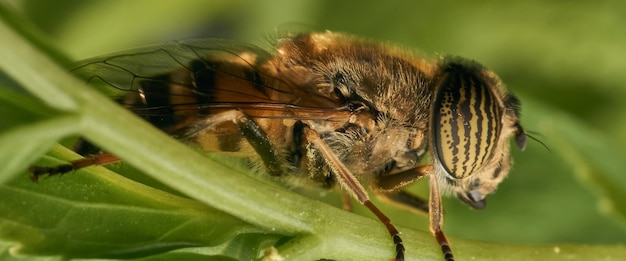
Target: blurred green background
(564,59)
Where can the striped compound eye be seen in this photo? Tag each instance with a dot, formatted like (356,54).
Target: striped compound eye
(467,120)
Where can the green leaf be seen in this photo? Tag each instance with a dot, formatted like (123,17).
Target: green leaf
(96,213)
(29,129)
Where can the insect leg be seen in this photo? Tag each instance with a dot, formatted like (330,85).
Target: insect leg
(261,143)
(436,216)
(389,188)
(253,133)
(350,184)
(404,199)
(93,160)
(401,179)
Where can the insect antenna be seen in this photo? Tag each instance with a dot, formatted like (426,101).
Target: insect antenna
(528,133)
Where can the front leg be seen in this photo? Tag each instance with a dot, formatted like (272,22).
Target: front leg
(350,184)
(390,188)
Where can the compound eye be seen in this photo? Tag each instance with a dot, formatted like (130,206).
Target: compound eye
(474,199)
(466,120)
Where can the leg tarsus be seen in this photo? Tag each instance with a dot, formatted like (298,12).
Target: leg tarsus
(393,231)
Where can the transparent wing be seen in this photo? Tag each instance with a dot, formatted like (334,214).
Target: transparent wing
(175,83)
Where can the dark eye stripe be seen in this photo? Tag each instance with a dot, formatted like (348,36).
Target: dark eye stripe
(466,123)
(465,107)
(481,134)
